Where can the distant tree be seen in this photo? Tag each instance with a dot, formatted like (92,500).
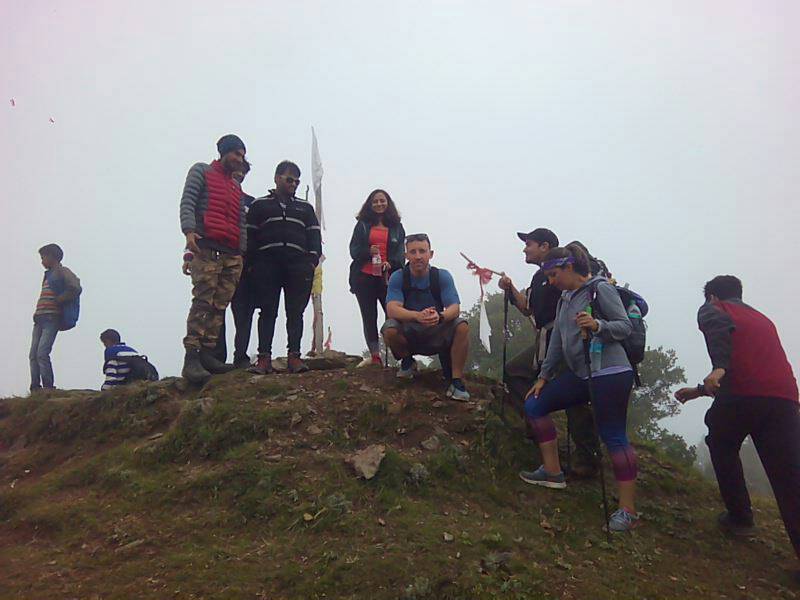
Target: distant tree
(520,336)
(659,373)
(653,401)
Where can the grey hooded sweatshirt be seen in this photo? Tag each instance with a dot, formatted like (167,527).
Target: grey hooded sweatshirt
(566,342)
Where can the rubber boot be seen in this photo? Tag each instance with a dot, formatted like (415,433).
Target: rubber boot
(296,364)
(263,365)
(193,371)
(212,364)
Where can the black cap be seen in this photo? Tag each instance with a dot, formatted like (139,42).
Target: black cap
(229,143)
(540,235)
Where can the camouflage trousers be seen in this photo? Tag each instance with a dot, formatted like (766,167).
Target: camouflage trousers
(214,279)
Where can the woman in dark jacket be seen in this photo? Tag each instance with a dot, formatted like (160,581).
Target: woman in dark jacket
(379,234)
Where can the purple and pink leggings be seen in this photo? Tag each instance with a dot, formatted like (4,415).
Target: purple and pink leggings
(611,393)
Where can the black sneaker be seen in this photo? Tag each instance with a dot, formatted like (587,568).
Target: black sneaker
(408,368)
(734,527)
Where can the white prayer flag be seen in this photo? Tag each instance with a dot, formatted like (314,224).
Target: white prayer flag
(485,329)
(316,177)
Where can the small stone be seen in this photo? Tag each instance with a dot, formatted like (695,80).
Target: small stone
(438,404)
(314,430)
(206,404)
(130,546)
(381,522)
(366,462)
(395,408)
(448,537)
(296,418)
(273,457)
(432,443)
(308,517)
(291,397)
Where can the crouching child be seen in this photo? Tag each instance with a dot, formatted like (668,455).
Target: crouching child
(122,364)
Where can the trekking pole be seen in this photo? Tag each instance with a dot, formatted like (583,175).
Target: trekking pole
(588,359)
(505,350)
(569,447)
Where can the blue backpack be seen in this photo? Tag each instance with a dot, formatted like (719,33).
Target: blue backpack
(69,314)
(636,307)
(70,311)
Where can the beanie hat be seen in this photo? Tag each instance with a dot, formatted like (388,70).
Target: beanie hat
(229,143)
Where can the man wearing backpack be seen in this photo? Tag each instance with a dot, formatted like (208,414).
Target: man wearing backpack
(539,301)
(755,394)
(56,310)
(122,364)
(424,317)
(213,221)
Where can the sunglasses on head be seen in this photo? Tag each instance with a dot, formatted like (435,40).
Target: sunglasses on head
(417,237)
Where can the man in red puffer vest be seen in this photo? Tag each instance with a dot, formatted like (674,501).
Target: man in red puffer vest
(212,219)
(755,394)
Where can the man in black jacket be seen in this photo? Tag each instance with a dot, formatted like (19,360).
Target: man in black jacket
(284,246)
(540,301)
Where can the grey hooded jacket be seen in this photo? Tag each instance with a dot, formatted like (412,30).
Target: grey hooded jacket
(566,342)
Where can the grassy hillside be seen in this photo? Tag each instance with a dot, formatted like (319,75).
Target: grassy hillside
(242,490)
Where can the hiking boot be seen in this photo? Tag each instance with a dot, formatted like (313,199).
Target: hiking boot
(296,364)
(212,364)
(193,371)
(263,365)
(241,363)
(622,520)
(457,391)
(739,528)
(407,368)
(543,478)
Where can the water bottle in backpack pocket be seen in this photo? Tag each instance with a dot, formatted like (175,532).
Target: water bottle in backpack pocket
(635,344)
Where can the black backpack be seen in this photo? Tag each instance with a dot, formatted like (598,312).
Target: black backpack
(435,287)
(636,307)
(140,368)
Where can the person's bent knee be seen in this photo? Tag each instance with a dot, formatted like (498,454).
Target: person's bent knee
(533,407)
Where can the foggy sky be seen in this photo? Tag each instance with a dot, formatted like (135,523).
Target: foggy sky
(664,135)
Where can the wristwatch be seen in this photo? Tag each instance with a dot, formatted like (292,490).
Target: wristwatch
(441,316)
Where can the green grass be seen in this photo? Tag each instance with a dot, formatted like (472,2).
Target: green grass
(207,510)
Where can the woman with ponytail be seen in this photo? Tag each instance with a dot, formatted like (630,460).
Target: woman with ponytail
(589,312)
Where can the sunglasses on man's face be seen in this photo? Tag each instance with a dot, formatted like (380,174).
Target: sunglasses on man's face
(417,237)
(291,180)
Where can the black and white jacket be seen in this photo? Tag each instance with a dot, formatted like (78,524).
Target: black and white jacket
(291,225)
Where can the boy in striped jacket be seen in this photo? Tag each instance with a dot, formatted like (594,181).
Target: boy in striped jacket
(115,368)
